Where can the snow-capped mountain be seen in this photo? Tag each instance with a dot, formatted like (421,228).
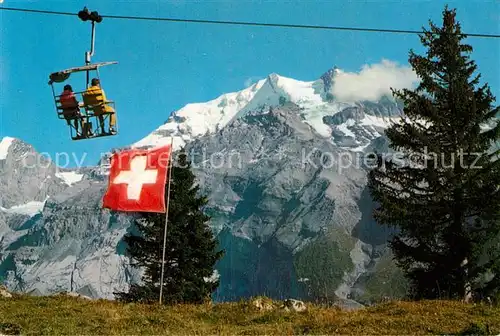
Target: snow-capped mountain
(198,119)
(281,214)
(317,103)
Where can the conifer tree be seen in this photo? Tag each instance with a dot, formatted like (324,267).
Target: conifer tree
(440,189)
(191,249)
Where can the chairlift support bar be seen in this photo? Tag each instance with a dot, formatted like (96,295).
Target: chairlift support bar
(94,18)
(90,53)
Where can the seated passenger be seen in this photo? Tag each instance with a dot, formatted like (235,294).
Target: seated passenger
(70,108)
(96,97)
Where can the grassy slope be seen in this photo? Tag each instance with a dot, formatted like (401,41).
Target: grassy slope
(67,315)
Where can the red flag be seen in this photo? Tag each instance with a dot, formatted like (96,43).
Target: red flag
(137,180)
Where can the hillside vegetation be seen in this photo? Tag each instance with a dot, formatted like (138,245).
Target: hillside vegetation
(64,315)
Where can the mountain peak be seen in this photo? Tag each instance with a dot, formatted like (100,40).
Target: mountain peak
(329,76)
(274,80)
(273,76)
(198,119)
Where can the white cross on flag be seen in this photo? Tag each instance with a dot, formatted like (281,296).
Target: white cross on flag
(137,180)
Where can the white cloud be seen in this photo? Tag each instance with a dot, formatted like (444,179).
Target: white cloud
(373,81)
(250,81)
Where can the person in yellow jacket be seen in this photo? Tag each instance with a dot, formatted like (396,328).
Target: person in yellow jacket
(94,95)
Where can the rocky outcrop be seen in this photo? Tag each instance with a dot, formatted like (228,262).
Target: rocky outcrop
(4,292)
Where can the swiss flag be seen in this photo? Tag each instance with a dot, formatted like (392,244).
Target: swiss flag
(137,180)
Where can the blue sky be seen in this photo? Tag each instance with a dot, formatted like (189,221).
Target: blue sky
(165,65)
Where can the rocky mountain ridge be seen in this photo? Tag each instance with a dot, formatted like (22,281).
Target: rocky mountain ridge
(282,162)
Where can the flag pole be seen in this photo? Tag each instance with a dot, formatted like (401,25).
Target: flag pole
(166,216)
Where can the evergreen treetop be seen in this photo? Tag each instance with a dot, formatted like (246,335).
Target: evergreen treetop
(441,188)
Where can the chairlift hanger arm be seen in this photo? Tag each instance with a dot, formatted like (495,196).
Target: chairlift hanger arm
(90,53)
(94,17)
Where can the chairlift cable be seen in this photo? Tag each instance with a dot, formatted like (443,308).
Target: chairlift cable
(243,23)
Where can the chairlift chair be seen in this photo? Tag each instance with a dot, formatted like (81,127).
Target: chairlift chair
(88,104)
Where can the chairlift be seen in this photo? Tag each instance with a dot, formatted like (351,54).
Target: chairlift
(88,105)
